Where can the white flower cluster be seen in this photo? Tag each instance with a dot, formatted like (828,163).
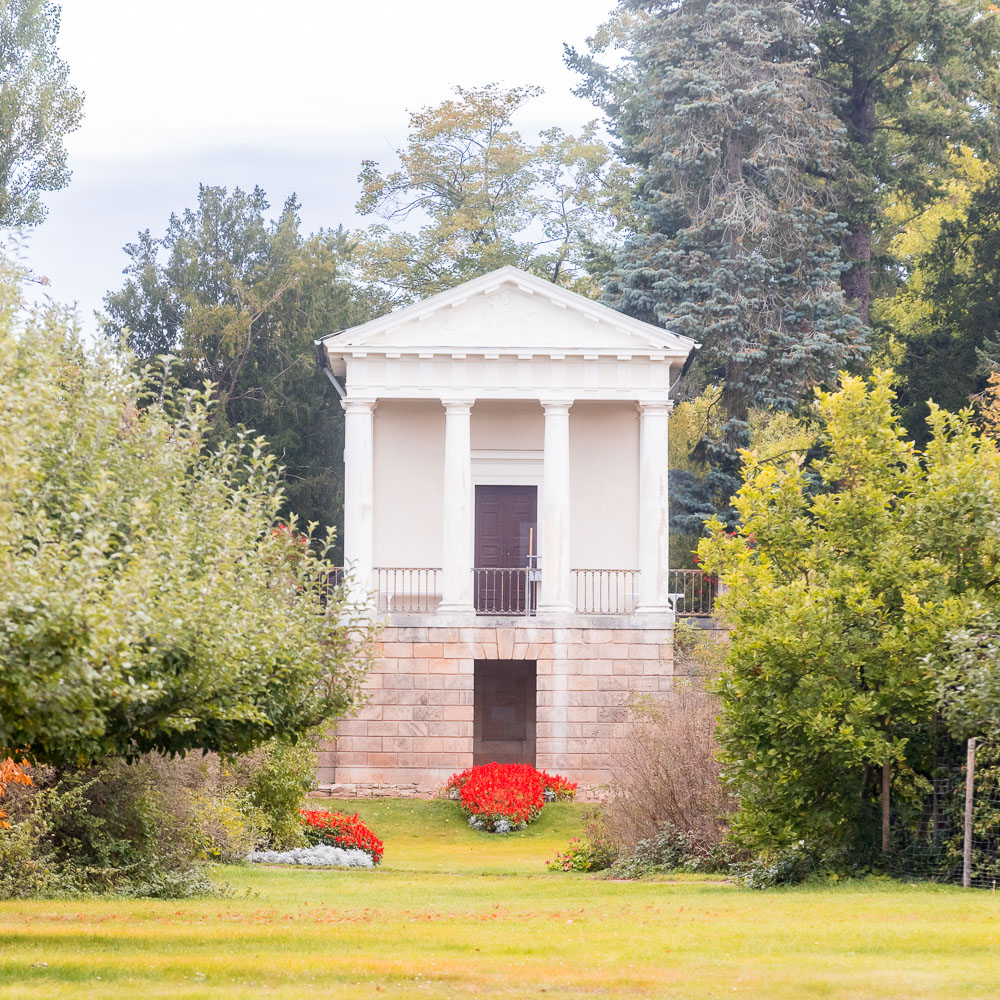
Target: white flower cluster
(502,825)
(320,855)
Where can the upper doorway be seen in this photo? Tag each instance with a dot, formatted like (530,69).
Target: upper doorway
(506,549)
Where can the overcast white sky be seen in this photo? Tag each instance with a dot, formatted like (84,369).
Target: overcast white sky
(289,95)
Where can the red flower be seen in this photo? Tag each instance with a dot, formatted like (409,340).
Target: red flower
(340,830)
(511,792)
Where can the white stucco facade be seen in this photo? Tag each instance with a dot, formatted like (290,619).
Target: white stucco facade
(510,413)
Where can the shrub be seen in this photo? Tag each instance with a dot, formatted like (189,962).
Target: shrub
(665,770)
(108,830)
(146,828)
(274,779)
(581,856)
(340,830)
(799,862)
(672,850)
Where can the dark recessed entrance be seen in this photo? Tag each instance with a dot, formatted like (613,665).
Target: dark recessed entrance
(504,714)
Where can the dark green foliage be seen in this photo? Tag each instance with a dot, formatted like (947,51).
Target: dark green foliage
(911,79)
(241,300)
(107,830)
(795,863)
(673,850)
(929,836)
(948,359)
(738,242)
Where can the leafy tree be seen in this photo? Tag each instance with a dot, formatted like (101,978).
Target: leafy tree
(737,244)
(915,225)
(948,352)
(486,197)
(153,601)
(969,681)
(240,301)
(38,108)
(772,433)
(842,581)
(912,79)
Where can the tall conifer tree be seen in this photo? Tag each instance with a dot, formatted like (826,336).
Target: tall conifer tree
(736,146)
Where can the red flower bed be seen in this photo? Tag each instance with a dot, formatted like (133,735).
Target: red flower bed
(559,786)
(505,797)
(340,830)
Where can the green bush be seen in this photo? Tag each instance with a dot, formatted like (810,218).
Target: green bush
(582,856)
(148,828)
(797,863)
(273,781)
(107,830)
(673,850)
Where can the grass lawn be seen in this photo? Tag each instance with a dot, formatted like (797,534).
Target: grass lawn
(457,913)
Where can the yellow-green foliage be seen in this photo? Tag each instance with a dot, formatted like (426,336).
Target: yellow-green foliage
(487,197)
(916,228)
(151,601)
(840,585)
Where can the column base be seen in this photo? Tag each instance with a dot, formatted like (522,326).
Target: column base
(455,608)
(556,609)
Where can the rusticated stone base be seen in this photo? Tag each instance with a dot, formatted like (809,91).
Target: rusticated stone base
(417,726)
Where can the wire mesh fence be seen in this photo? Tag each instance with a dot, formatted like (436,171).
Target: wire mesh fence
(953,835)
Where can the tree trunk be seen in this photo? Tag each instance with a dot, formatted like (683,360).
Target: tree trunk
(857,281)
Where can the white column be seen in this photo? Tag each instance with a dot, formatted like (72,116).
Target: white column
(654,515)
(359,461)
(556,595)
(456,585)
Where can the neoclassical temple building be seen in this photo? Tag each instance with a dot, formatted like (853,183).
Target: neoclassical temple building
(506,514)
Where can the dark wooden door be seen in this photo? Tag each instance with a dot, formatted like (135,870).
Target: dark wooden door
(506,535)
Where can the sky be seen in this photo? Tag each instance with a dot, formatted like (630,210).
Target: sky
(290,96)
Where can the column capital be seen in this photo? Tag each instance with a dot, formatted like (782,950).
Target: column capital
(358,404)
(655,406)
(460,406)
(556,405)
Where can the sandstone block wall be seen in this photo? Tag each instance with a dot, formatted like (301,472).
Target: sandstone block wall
(417,726)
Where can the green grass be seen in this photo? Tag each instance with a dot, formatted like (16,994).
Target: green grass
(457,913)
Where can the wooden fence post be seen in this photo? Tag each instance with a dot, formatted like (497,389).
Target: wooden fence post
(970,778)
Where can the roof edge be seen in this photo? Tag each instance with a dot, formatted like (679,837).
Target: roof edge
(487,283)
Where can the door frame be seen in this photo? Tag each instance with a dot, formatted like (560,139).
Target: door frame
(491,467)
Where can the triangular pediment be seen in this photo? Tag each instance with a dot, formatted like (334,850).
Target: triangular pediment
(509,311)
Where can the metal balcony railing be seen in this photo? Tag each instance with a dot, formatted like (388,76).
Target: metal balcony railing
(514,590)
(407,589)
(509,590)
(693,592)
(606,591)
